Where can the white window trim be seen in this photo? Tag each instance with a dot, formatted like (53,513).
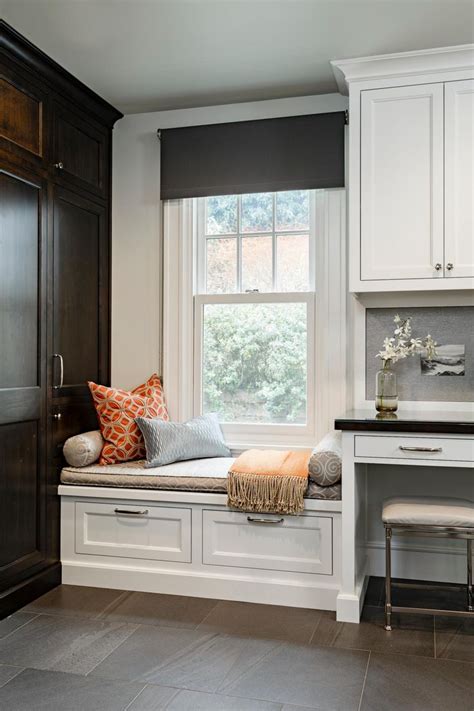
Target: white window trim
(329,397)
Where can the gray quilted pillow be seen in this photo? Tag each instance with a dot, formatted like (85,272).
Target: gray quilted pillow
(168,442)
(325,464)
(83,449)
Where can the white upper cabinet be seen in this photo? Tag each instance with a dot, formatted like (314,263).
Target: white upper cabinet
(401,183)
(410,170)
(459,179)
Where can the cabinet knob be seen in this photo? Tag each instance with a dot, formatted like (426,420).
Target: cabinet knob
(59,165)
(438,266)
(449,266)
(57,416)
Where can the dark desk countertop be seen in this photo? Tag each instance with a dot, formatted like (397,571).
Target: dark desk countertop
(434,422)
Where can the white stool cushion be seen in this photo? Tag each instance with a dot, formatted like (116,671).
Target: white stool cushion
(428,511)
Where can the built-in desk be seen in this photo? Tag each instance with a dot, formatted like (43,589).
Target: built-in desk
(417,439)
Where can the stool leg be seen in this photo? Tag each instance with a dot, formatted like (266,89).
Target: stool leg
(388,576)
(469,576)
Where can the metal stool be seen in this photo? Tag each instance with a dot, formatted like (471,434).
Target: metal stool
(432,517)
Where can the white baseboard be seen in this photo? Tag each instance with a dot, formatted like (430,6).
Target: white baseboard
(436,563)
(322,597)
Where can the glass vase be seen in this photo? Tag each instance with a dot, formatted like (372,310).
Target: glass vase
(386,394)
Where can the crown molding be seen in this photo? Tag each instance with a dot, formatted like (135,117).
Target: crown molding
(423,61)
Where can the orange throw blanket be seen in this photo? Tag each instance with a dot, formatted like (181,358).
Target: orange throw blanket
(269,480)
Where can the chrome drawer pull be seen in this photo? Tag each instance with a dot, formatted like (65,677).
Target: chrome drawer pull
(252,519)
(420,449)
(131,513)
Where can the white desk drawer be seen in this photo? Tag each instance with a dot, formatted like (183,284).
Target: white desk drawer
(408,447)
(124,530)
(300,544)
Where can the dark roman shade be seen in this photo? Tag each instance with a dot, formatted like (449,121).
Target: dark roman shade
(295,153)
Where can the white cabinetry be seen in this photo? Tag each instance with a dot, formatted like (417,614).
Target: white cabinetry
(411,165)
(459,178)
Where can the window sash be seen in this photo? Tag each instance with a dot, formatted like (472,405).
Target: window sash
(242,431)
(200,206)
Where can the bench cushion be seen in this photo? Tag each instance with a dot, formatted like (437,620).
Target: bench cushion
(205,475)
(428,511)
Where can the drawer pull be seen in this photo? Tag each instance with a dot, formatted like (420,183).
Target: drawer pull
(252,519)
(420,449)
(131,513)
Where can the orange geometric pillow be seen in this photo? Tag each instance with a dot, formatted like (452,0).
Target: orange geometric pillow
(117,409)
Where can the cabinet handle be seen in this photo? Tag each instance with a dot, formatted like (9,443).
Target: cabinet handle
(252,519)
(61,370)
(438,266)
(420,449)
(131,513)
(449,266)
(59,165)
(57,416)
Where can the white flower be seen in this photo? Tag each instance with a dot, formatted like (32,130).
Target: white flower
(395,349)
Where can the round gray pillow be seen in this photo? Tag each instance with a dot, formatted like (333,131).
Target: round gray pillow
(325,464)
(83,449)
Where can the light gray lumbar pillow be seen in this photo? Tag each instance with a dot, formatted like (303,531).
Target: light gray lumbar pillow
(168,442)
(83,449)
(325,464)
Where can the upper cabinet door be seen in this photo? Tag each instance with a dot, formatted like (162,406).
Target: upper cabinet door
(80,155)
(402,183)
(23,117)
(459,178)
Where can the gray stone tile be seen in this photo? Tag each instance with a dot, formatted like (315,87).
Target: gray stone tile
(7,672)
(411,634)
(212,665)
(57,691)
(14,622)
(153,698)
(74,601)
(64,644)
(198,701)
(455,638)
(397,682)
(292,624)
(316,677)
(146,651)
(161,610)
(326,630)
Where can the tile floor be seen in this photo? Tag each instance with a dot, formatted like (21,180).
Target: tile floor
(86,649)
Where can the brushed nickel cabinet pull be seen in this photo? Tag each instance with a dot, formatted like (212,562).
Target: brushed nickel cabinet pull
(131,513)
(61,370)
(449,266)
(420,449)
(57,416)
(438,266)
(59,165)
(253,519)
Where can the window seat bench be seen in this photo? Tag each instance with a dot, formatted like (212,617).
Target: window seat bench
(124,527)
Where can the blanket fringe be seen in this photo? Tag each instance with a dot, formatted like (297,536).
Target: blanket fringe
(270,494)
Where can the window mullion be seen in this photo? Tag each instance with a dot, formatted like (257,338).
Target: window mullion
(274,246)
(239,243)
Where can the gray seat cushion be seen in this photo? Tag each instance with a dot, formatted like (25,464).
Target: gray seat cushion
(205,475)
(428,511)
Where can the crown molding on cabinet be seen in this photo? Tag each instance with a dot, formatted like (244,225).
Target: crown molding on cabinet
(403,64)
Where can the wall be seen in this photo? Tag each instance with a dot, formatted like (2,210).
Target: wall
(136,223)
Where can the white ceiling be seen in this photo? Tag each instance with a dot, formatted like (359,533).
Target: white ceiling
(148,55)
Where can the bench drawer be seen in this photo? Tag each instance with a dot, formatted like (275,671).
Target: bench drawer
(300,544)
(406,447)
(125,530)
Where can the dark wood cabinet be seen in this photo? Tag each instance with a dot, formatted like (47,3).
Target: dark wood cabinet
(54,297)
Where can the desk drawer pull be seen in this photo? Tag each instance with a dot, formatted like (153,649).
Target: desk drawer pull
(131,513)
(420,449)
(252,519)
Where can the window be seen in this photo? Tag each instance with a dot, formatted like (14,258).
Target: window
(254,314)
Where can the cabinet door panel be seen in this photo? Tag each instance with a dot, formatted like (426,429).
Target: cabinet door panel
(19,250)
(80,305)
(402,182)
(80,152)
(22,376)
(459,178)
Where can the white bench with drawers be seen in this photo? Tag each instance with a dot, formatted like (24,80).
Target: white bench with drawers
(118,532)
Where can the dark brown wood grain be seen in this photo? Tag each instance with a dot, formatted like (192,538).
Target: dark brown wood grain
(21,117)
